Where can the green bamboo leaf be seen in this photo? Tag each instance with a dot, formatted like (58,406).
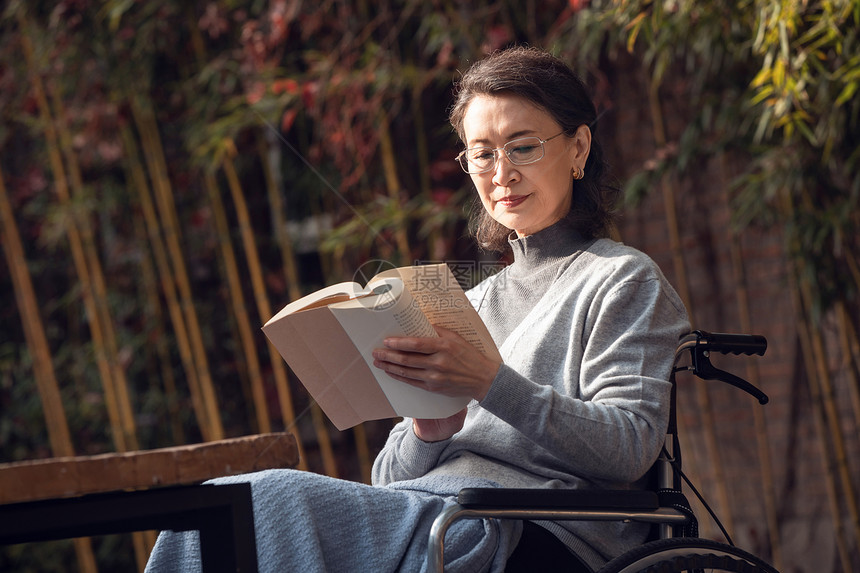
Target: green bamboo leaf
(634,28)
(785,51)
(847,93)
(114,12)
(761,29)
(763,94)
(763,125)
(763,76)
(805,130)
(779,73)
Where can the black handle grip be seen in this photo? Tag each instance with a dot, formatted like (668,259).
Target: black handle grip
(701,344)
(748,344)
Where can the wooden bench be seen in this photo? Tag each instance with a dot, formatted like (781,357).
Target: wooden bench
(159,489)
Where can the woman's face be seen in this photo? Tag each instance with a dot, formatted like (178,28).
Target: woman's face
(524,198)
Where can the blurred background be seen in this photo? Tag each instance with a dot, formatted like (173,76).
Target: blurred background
(173,173)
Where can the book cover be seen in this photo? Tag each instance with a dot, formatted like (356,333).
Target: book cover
(327,338)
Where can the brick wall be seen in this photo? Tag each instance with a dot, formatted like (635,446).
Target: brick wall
(731,475)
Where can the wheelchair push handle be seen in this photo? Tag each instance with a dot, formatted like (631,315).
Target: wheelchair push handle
(723,343)
(748,344)
(701,344)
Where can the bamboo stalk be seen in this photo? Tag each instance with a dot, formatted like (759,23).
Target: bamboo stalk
(168,285)
(237,300)
(46,382)
(252,256)
(263,307)
(703,398)
(154,154)
(321,427)
(88,270)
(241,366)
(392,184)
(850,352)
(752,375)
(830,471)
(832,424)
(318,420)
(831,411)
(853,268)
(816,369)
(25,297)
(282,237)
(421,148)
(75,241)
(362,452)
(436,246)
(90,274)
(279,222)
(832,421)
(120,382)
(149,291)
(281,380)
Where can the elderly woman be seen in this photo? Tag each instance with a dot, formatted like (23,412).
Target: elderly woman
(586,327)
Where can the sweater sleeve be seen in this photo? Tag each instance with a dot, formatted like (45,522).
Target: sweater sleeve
(606,417)
(405,456)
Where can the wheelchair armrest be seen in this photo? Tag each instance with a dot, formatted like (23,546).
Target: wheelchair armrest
(540,498)
(547,504)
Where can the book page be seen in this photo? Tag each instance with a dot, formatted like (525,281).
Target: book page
(329,366)
(393,312)
(443,302)
(323,297)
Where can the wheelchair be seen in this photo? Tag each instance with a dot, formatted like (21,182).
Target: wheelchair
(675,545)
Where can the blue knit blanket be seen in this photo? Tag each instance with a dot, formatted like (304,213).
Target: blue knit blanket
(309,523)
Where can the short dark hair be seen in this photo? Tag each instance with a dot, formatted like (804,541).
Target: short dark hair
(553,86)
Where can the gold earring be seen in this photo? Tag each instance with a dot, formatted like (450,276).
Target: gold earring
(578,173)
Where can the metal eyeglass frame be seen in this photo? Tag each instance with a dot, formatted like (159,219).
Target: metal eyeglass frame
(464,167)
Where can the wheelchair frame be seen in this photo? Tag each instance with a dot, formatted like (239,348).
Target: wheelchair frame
(677,543)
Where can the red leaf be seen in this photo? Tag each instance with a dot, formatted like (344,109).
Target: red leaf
(288,120)
(497,36)
(309,92)
(441,195)
(286,85)
(255,92)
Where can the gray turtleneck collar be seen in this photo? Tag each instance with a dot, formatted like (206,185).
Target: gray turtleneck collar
(538,260)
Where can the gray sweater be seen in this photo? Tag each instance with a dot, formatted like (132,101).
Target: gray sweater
(587,331)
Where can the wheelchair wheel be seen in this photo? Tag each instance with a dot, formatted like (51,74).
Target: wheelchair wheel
(686,554)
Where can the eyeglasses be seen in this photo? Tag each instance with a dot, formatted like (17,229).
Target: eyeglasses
(520,151)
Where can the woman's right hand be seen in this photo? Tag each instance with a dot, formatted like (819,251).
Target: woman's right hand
(438,430)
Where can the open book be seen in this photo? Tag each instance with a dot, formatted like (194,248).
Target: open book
(327,339)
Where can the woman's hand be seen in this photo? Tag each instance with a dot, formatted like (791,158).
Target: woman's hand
(446,365)
(438,430)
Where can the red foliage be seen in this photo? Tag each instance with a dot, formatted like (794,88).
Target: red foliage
(288,119)
(309,93)
(286,85)
(441,195)
(213,21)
(497,37)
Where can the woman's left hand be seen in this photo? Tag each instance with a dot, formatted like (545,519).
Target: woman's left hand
(446,365)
